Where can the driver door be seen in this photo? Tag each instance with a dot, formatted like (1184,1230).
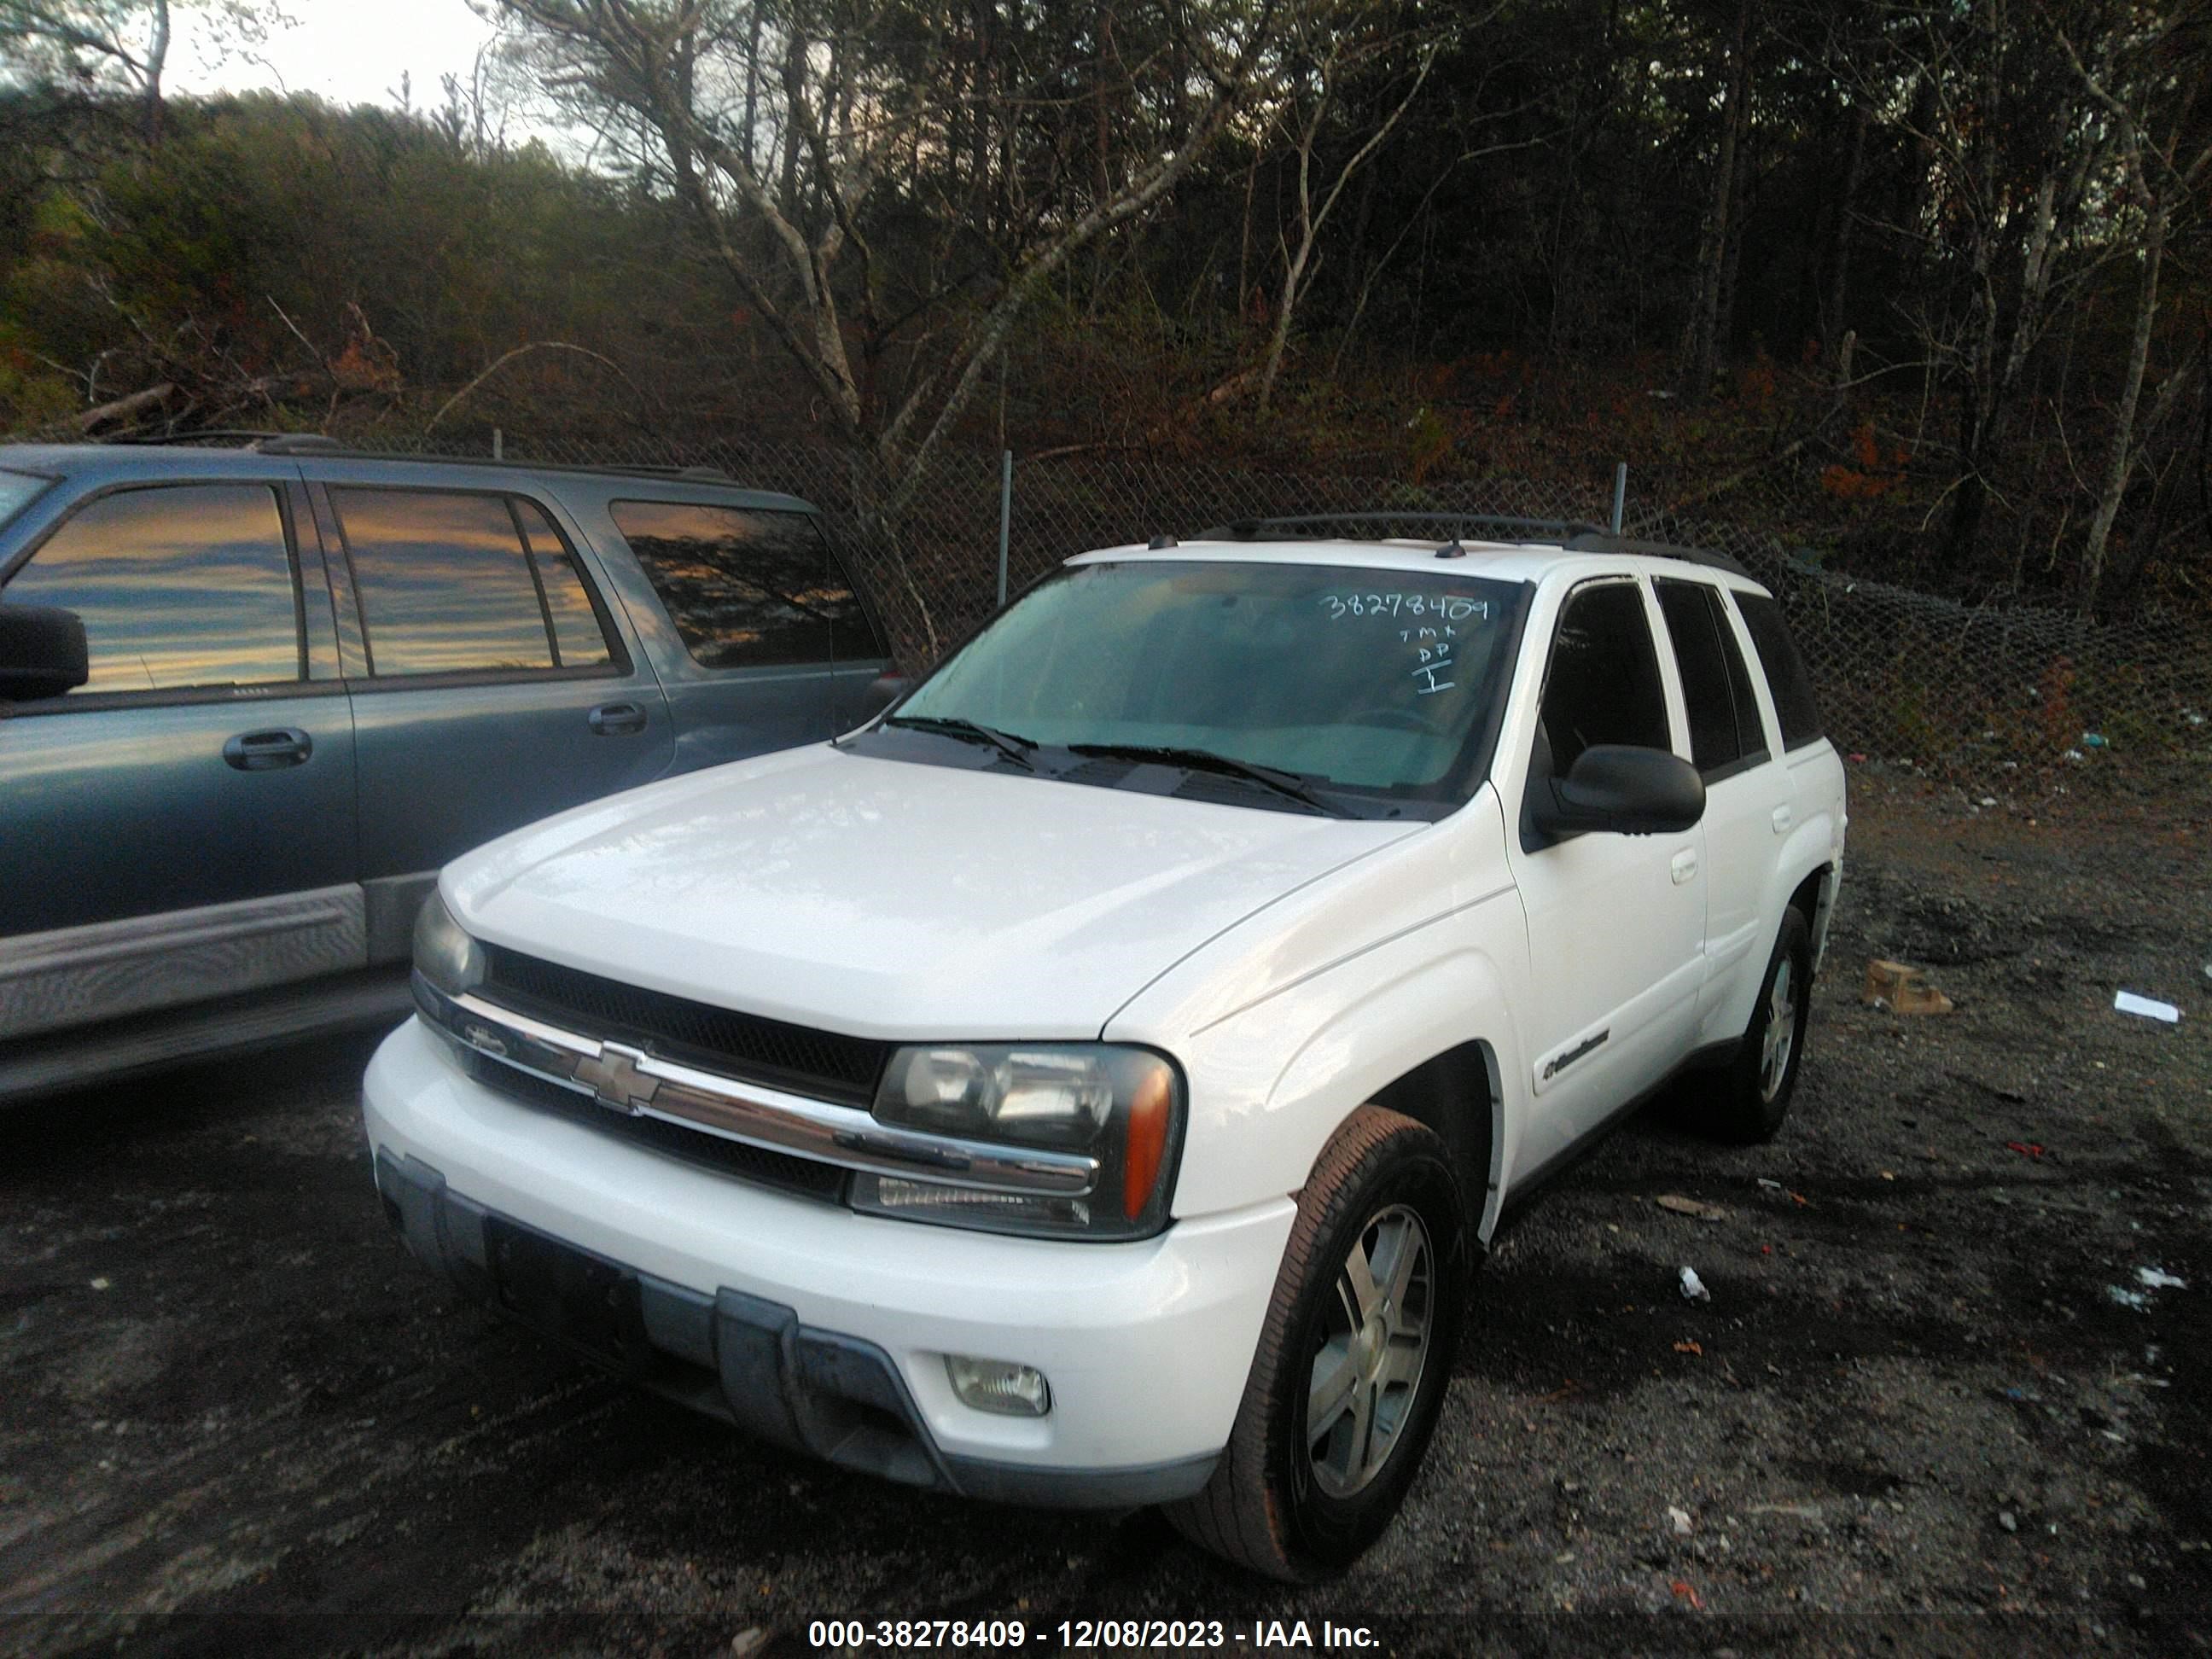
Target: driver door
(1616,923)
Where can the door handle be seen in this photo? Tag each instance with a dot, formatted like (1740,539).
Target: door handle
(1783,819)
(265,751)
(1684,866)
(615,720)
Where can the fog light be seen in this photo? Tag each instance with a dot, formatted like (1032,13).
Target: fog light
(996,1385)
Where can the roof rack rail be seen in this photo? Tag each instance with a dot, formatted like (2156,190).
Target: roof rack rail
(1547,529)
(269,442)
(1605,542)
(706,475)
(227,435)
(1570,535)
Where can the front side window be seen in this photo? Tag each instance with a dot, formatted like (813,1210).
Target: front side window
(444,581)
(186,586)
(1603,685)
(747,588)
(1364,680)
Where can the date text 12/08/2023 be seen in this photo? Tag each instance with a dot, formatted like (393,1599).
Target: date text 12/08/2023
(1085,1634)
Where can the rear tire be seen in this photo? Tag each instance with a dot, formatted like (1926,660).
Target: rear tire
(1353,1359)
(1752,1097)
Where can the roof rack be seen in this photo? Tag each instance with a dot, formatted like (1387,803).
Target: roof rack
(317,443)
(238,434)
(1569,535)
(1605,542)
(1549,530)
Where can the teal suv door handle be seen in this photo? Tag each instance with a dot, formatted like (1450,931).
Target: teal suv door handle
(616,720)
(265,751)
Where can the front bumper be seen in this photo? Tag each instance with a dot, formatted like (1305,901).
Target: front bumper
(826,1330)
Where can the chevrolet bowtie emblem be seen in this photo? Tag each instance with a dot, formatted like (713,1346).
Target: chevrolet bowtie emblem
(615,1079)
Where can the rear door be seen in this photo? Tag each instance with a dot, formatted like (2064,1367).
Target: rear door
(1748,797)
(181,826)
(776,648)
(1616,923)
(491,683)
(1810,817)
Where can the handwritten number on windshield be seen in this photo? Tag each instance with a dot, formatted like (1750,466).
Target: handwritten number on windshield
(1450,607)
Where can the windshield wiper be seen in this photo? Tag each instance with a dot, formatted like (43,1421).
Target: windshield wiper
(1205,760)
(1009,743)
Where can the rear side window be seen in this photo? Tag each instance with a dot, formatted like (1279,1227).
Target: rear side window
(1603,685)
(448,584)
(1751,731)
(1785,670)
(1724,725)
(183,587)
(1704,679)
(747,588)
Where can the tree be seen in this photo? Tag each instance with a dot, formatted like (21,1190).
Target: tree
(2010,153)
(113,47)
(826,149)
(2155,75)
(111,51)
(1326,51)
(1722,235)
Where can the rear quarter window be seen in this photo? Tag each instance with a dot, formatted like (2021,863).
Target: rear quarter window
(17,491)
(1786,678)
(747,587)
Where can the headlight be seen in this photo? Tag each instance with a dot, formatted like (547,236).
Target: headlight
(1120,1106)
(444,953)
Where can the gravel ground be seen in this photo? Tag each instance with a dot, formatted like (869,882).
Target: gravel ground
(1931,1406)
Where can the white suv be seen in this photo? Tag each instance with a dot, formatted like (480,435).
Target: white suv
(1092,1083)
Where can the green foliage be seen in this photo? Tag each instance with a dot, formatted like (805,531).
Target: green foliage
(1502,293)
(399,258)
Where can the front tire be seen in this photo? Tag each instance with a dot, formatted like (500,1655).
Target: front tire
(1353,1359)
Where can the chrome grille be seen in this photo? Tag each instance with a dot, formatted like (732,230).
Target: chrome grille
(802,1176)
(824,1064)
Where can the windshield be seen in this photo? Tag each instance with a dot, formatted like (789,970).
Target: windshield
(1364,680)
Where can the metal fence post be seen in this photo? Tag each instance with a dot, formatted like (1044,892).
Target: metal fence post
(1006,514)
(1619,493)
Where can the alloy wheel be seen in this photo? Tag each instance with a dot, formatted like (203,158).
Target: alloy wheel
(1367,1371)
(1781,1035)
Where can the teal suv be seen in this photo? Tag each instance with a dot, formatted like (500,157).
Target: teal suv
(252,699)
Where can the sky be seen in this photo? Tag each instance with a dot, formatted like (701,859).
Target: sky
(351,51)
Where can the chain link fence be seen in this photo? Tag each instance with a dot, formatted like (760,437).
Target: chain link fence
(1988,696)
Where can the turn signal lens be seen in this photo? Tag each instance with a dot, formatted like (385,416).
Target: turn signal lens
(1151,1114)
(997,1212)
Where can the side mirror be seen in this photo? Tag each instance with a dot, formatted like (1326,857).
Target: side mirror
(42,652)
(1619,787)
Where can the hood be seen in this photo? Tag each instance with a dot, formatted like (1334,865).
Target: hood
(889,898)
